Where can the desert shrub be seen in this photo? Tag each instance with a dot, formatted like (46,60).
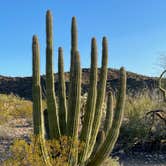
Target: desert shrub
(111,162)
(136,124)
(25,153)
(12,107)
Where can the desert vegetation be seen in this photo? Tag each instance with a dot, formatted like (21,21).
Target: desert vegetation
(73,129)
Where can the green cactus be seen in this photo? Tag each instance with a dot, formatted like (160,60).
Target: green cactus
(113,132)
(51,102)
(37,101)
(91,103)
(74,106)
(100,95)
(74,48)
(62,94)
(65,119)
(36,89)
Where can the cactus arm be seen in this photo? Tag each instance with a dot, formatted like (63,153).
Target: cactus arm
(51,102)
(109,114)
(160,86)
(113,133)
(62,94)
(74,44)
(36,89)
(100,95)
(74,107)
(75,104)
(37,101)
(91,103)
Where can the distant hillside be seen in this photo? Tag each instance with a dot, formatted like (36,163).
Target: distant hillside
(22,86)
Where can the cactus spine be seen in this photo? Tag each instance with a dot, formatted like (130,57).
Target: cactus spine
(91,102)
(54,131)
(64,120)
(36,89)
(62,94)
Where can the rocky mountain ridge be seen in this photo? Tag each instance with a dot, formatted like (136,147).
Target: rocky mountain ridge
(22,86)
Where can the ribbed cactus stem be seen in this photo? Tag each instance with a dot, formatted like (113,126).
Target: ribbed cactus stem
(99,141)
(109,113)
(51,102)
(62,94)
(100,95)
(74,34)
(74,45)
(36,89)
(74,107)
(91,103)
(113,133)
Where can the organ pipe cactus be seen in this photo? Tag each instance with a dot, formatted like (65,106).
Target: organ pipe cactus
(64,119)
(113,132)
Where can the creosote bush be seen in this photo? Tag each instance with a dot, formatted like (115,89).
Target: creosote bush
(29,153)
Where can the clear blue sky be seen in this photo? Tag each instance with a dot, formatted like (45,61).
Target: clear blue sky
(136,30)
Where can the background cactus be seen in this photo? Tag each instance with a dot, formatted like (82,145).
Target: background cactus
(65,119)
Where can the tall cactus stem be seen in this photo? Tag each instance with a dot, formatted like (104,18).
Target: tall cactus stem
(51,102)
(74,107)
(62,94)
(36,89)
(37,102)
(91,103)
